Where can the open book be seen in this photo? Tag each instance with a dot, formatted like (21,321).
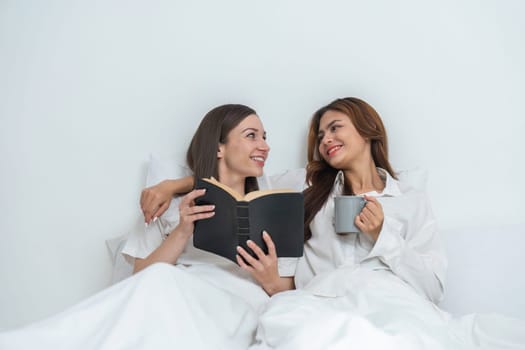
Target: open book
(239,218)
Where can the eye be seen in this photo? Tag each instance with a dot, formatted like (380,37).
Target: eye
(320,137)
(251,135)
(334,127)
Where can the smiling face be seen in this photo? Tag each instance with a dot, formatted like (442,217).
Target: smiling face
(339,143)
(244,151)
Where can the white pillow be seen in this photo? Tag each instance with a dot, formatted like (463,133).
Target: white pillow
(159,168)
(122,264)
(162,168)
(414,177)
(165,167)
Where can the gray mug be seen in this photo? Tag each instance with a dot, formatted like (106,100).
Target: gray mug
(346,209)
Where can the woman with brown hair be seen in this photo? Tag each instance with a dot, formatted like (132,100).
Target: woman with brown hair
(348,155)
(376,288)
(181,297)
(229,145)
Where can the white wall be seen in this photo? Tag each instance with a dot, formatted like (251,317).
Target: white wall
(89,88)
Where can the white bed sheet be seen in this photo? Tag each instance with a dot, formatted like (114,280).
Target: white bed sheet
(163,307)
(377,311)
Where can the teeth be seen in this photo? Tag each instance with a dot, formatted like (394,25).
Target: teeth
(333,149)
(258,159)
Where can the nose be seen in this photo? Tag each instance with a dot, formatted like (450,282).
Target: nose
(263,146)
(326,140)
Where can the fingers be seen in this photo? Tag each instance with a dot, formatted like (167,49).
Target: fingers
(368,218)
(161,210)
(202,216)
(371,218)
(256,249)
(149,209)
(190,197)
(254,263)
(189,212)
(359,223)
(263,268)
(373,204)
(269,243)
(187,205)
(242,263)
(261,261)
(150,202)
(372,209)
(196,212)
(196,209)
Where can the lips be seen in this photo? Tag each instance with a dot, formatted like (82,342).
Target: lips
(332,150)
(259,160)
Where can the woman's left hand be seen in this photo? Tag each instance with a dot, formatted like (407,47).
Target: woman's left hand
(264,268)
(371,218)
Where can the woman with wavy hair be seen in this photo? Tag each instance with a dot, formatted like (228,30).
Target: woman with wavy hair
(377,288)
(348,155)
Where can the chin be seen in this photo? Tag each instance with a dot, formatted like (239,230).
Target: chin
(334,164)
(257,172)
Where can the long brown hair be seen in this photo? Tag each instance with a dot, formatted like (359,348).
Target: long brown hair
(319,174)
(214,129)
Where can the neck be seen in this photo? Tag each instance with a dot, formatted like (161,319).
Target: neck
(236,182)
(364,178)
(237,186)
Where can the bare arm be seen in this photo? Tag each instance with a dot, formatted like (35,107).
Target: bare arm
(172,247)
(155,200)
(168,252)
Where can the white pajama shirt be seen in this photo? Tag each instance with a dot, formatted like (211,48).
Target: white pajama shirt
(408,245)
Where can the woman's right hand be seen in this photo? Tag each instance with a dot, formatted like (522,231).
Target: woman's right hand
(189,212)
(173,246)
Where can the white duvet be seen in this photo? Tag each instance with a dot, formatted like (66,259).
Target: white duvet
(163,307)
(375,310)
(210,307)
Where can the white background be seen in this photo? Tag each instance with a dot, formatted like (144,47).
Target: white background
(89,88)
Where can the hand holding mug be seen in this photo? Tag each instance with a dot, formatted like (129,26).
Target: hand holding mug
(371,218)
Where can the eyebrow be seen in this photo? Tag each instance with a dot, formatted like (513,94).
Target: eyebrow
(253,129)
(329,125)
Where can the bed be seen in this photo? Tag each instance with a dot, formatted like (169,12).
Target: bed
(482,303)
(476,282)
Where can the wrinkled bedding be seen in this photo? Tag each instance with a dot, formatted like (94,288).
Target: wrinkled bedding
(162,307)
(375,310)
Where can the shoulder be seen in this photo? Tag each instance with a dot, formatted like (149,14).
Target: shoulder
(293,179)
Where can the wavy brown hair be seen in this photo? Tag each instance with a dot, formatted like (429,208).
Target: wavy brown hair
(214,129)
(319,174)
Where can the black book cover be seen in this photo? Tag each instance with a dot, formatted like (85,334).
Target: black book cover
(238,218)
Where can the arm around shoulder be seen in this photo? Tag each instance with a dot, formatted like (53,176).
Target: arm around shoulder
(155,200)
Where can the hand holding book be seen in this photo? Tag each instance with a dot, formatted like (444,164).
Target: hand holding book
(264,268)
(190,213)
(239,218)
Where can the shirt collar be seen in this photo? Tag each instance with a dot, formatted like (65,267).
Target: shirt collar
(391,185)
